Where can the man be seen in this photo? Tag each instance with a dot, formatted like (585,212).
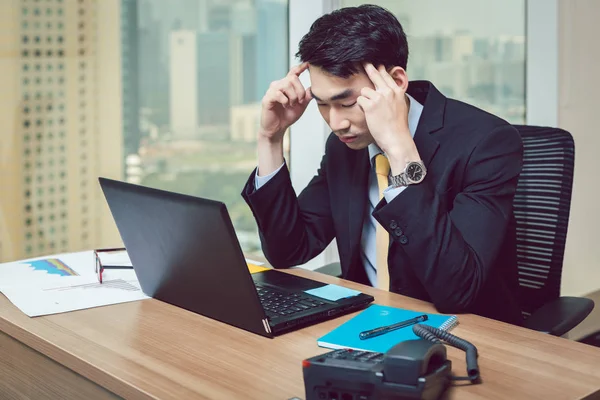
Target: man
(442,229)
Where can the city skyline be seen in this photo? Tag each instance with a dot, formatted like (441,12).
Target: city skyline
(66,134)
(487,71)
(244,32)
(433,16)
(212,65)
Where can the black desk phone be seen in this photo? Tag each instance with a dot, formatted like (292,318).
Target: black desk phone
(413,369)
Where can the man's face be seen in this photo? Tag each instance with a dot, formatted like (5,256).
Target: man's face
(336,99)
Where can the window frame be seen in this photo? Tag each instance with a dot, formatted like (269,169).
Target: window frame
(312,131)
(541,62)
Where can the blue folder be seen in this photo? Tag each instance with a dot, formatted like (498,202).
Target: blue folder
(346,335)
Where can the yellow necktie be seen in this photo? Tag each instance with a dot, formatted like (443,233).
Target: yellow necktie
(382,168)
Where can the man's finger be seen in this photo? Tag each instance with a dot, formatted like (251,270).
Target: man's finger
(287,88)
(308,95)
(387,77)
(298,88)
(363,103)
(290,94)
(375,76)
(368,93)
(272,98)
(298,69)
(281,98)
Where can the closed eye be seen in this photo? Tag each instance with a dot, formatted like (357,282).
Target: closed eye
(348,105)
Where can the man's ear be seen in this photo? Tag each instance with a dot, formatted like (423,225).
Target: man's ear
(400,77)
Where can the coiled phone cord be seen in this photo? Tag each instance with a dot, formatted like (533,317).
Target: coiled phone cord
(437,335)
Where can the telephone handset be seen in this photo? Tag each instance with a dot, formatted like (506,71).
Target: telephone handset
(413,369)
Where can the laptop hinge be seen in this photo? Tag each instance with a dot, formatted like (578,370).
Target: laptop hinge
(266,325)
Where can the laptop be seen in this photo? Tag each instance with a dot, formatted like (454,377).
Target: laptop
(185,252)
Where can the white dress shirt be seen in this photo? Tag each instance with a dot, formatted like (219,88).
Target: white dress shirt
(368,249)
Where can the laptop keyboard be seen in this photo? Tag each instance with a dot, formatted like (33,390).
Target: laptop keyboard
(278,303)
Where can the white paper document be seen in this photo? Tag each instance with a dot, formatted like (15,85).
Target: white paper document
(72,293)
(65,282)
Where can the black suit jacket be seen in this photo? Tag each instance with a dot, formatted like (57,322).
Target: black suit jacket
(452,236)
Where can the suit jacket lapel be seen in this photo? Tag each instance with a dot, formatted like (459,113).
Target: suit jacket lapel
(426,144)
(432,117)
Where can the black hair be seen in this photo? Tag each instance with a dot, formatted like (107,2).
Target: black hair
(339,42)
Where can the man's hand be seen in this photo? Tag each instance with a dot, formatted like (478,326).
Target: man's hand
(283,104)
(386,113)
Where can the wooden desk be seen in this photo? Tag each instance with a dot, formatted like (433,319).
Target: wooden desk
(151,350)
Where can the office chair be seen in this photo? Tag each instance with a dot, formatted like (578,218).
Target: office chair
(541,207)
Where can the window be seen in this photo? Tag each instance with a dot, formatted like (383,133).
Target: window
(471,50)
(193,75)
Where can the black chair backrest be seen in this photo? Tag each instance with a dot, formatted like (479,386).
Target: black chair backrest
(541,208)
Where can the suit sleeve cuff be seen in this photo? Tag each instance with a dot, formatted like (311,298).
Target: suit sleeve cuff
(391,192)
(260,181)
(404,211)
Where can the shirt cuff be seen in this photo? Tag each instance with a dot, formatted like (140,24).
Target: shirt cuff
(391,192)
(260,181)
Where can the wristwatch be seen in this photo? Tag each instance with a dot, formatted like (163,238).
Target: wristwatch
(413,173)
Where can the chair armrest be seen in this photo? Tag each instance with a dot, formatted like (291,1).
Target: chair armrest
(560,316)
(334,269)
(593,339)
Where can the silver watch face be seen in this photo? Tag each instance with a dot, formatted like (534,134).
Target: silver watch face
(415,172)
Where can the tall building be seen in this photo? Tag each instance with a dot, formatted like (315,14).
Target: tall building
(482,48)
(175,15)
(513,48)
(272,17)
(130,80)
(422,52)
(250,70)
(462,46)
(197,100)
(153,83)
(214,61)
(245,120)
(243,69)
(444,47)
(243,57)
(219,17)
(61,124)
(183,83)
(243,18)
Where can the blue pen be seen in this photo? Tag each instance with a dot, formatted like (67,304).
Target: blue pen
(385,329)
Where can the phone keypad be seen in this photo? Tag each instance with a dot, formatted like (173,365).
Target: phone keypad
(355,355)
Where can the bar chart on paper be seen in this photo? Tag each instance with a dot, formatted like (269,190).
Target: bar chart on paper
(52,266)
(47,269)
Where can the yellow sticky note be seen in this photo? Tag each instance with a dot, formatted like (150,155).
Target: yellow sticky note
(255,268)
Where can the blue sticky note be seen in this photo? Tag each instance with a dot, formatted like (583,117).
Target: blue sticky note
(332,292)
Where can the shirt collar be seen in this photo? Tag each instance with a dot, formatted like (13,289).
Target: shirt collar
(414,114)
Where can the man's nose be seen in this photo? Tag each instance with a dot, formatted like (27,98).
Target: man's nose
(337,121)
